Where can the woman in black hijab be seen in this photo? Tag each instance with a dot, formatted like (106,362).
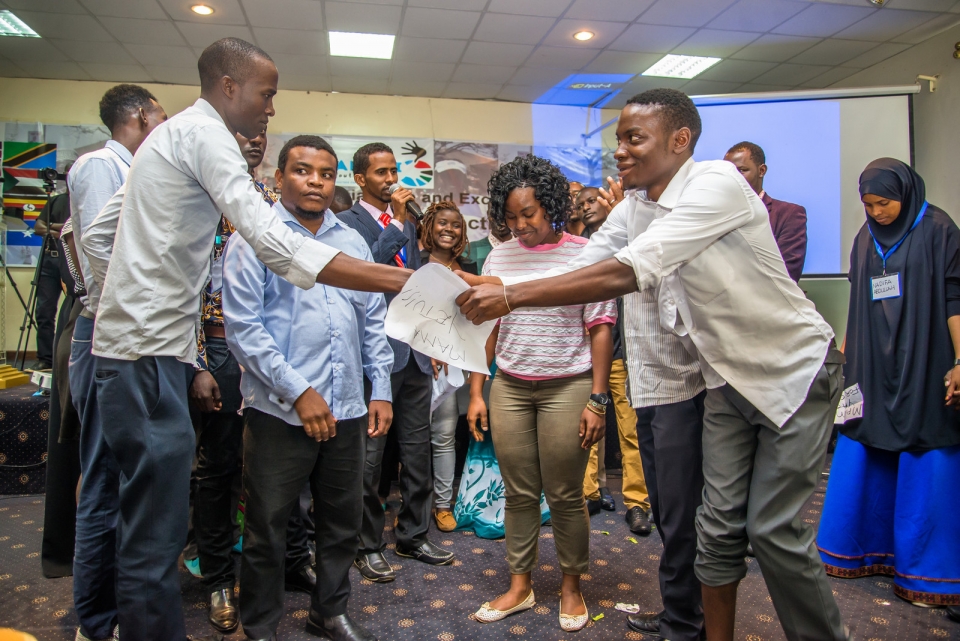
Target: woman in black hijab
(892,506)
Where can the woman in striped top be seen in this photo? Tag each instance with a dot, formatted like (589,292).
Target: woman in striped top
(548,399)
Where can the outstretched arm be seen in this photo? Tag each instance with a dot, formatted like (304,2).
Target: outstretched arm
(347,272)
(604,281)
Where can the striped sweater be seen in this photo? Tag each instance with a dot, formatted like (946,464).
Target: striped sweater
(539,343)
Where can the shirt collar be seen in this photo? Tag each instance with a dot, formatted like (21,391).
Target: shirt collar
(668,199)
(330,220)
(208,109)
(120,150)
(376,213)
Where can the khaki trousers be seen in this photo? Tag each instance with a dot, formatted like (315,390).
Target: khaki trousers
(634,485)
(535,427)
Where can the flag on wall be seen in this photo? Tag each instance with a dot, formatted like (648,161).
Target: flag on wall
(24,195)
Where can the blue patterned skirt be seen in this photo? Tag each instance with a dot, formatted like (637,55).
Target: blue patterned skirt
(897,514)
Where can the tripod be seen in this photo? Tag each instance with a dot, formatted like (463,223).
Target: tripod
(29,322)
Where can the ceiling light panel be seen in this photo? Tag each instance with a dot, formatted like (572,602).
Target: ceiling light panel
(361,45)
(674,66)
(11,25)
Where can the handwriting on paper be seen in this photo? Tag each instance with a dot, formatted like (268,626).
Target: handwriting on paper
(425,316)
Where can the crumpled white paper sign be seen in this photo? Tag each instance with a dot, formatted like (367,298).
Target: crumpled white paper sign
(425,316)
(851,405)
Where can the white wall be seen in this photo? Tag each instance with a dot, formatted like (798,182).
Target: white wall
(935,115)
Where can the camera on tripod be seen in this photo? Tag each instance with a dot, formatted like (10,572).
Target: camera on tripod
(50,176)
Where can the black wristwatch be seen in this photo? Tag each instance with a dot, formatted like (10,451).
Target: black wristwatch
(600,399)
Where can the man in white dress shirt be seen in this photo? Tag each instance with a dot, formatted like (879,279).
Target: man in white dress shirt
(699,234)
(131,113)
(150,250)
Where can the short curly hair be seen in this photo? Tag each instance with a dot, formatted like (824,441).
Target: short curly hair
(677,109)
(119,101)
(361,157)
(755,151)
(550,188)
(427,225)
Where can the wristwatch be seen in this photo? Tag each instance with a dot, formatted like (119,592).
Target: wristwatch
(598,403)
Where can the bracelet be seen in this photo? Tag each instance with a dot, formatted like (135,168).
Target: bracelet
(596,408)
(505,301)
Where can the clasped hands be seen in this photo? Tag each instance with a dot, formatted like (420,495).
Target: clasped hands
(485,300)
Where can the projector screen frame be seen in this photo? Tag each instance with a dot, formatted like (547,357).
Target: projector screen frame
(712,100)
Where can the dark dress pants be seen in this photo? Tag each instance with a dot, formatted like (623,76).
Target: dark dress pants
(412,391)
(146,425)
(671,451)
(98,510)
(278,458)
(219,445)
(45,312)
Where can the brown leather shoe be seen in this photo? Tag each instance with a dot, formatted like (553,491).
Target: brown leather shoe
(445,520)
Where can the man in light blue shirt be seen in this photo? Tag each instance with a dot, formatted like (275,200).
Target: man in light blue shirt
(304,354)
(131,113)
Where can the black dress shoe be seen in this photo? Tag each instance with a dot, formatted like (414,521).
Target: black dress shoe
(593,507)
(645,623)
(606,500)
(303,580)
(223,611)
(428,553)
(953,611)
(750,549)
(340,628)
(638,521)
(374,567)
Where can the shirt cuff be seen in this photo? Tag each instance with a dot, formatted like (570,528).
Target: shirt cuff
(645,262)
(397,223)
(289,388)
(601,321)
(381,390)
(308,262)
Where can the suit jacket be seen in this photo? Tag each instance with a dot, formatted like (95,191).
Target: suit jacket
(385,244)
(789,224)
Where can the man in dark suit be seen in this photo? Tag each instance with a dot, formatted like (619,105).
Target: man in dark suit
(788,221)
(383,221)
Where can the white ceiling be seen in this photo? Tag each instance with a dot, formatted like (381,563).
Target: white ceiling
(483,49)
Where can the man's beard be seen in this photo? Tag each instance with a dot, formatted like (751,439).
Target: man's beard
(309,215)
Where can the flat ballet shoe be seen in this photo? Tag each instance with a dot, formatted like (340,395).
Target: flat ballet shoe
(487,614)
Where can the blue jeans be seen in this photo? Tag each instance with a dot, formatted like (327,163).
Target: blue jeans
(146,424)
(95,556)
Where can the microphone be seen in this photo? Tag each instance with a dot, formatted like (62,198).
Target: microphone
(412,207)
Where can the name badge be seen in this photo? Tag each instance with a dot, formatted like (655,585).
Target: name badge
(887,286)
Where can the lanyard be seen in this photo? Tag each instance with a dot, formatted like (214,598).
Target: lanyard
(890,251)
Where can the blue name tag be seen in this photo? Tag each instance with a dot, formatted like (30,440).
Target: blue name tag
(886,286)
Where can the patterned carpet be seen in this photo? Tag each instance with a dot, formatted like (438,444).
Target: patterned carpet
(426,603)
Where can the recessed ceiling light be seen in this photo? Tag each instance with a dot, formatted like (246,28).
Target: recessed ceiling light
(11,25)
(583,36)
(202,9)
(673,66)
(361,45)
